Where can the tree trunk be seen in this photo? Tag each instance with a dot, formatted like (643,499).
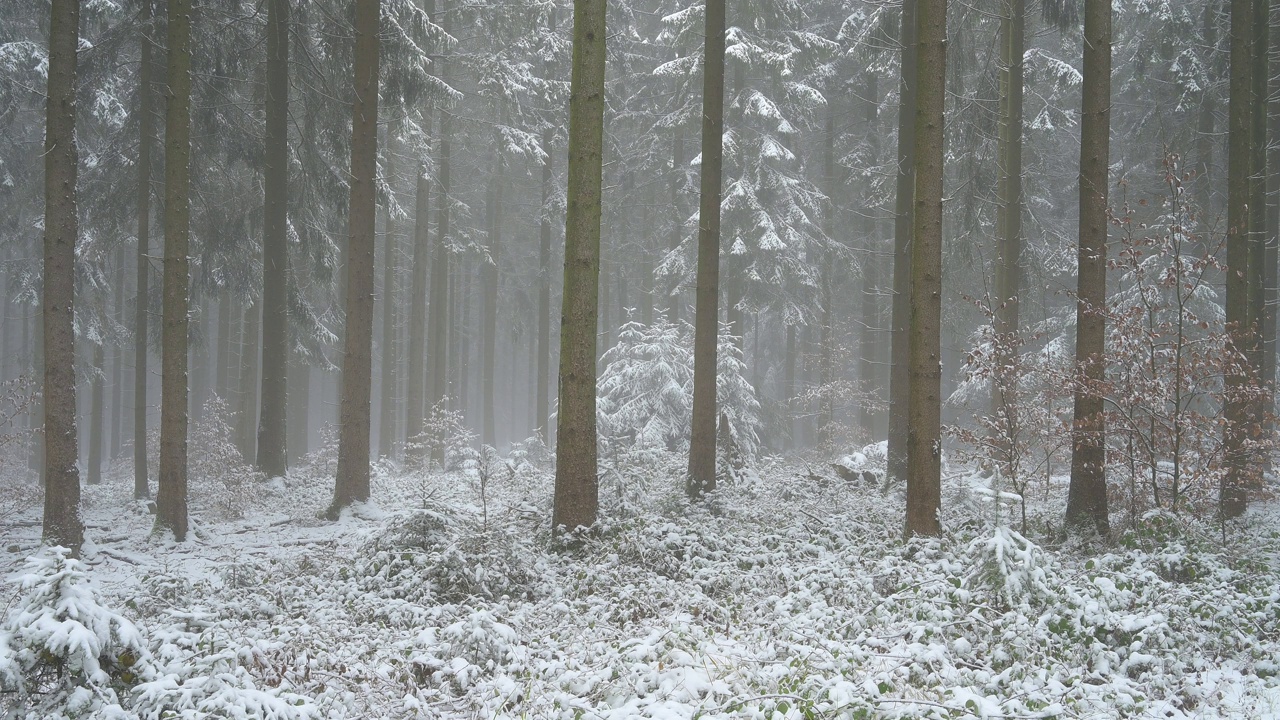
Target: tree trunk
(702,442)
(542,410)
(117,361)
(146,137)
(171,503)
(62,477)
(826,338)
(1087,495)
(1260,240)
(924,410)
(438,309)
(352,482)
(387,375)
(899,380)
(576,499)
(272,439)
(1009,190)
(869,340)
(417,388)
(247,407)
(1233,492)
(299,406)
(490,272)
(97,409)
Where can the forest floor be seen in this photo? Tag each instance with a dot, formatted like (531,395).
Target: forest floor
(789,594)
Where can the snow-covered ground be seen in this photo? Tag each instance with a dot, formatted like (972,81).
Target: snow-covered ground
(788,595)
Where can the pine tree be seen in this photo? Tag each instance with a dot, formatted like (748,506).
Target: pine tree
(352,483)
(1087,494)
(702,443)
(171,498)
(62,524)
(924,410)
(576,492)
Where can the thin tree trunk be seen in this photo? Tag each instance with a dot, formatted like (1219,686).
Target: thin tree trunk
(171,503)
(438,309)
(97,409)
(899,379)
(247,407)
(702,442)
(222,385)
(62,478)
(1260,240)
(117,361)
(490,271)
(272,438)
(868,334)
(576,499)
(387,375)
(924,410)
(826,351)
(542,409)
(146,137)
(677,223)
(1009,190)
(417,388)
(1087,494)
(352,482)
(299,406)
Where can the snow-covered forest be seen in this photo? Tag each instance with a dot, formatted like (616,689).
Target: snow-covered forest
(774,359)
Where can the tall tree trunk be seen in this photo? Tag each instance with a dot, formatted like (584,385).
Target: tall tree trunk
(247,407)
(677,224)
(62,477)
(826,338)
(1206,119)
(272,438)
(146,137)
(490,272)
(1259,238)
(1271,262)
(387,375)
(1009,190)
(576,499)
(702,441)
(924,410)
(1087,494)
(171,502)
(869,340)
(117,361)
(222,385)
(416,403)
(62,522)
(542,409)
(97,409)
(352,482)
(438,309)
(899,378)
(1233,491)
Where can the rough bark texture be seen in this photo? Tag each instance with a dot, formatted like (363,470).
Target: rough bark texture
(899,381)
(576,497)
(1239,324)
(924,409)
(352,482)
(1087,495)
(171,499)
(416,403)
(702,442)
(1259,238)
(543,405)
(272,437)
(62,524)
(146,137)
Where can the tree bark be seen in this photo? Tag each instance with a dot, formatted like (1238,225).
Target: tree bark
(1087,494)
(924,410)
(247,407)
(171,501)
(117,361)
(146,137)
(677,222)
(702,442)
(438,308)
(387,374)
(272,438)
(97,409)
(352,482)
(62,523)
(542,410)
(869,340)
(415,409)
(576,498)
(1233,493)
(490,272)
(899,379)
